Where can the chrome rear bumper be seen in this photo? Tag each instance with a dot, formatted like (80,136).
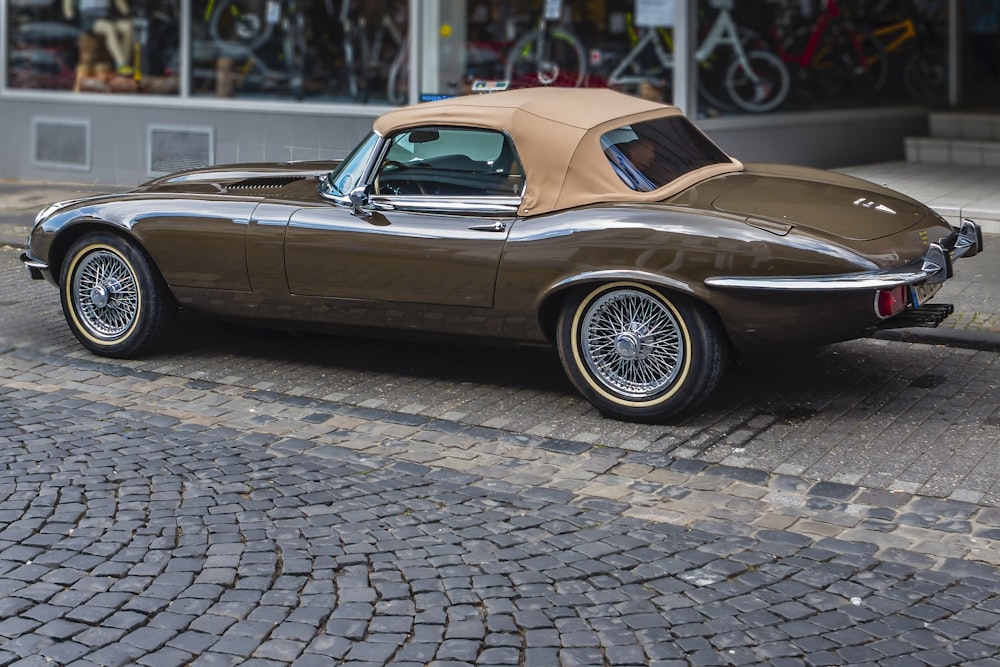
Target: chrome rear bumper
(934,267)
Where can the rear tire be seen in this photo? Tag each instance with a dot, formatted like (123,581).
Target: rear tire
(638,354)
(114,300)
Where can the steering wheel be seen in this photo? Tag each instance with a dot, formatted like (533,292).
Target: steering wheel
(398,165)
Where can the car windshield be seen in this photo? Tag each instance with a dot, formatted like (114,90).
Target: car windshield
(348,173)
(651,154)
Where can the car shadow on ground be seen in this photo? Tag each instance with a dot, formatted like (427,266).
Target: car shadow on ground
(788,384)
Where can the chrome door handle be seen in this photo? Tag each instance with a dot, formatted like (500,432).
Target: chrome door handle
(495,227)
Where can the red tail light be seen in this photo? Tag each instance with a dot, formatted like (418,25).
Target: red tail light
(888,302)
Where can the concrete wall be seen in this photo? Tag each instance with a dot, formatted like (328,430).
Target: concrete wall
(118,131)
(119,135)
(820,138)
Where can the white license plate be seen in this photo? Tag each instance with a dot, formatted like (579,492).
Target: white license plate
(920,294)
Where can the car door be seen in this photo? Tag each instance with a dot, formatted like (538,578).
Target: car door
(441,204)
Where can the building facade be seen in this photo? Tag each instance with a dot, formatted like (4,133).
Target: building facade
(118,91)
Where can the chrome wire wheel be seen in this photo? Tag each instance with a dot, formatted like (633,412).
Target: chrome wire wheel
(113,297)
(637,352)
(105,294)
(632,343)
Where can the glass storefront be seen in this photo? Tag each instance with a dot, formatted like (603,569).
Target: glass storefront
(102,46)
(322,50)
(750,56)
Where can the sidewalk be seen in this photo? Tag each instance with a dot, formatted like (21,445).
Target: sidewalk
(954,191)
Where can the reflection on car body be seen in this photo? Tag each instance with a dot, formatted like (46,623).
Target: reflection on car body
(524,216)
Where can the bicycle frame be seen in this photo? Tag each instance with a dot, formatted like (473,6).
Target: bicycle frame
(722,33)
(831,11)
(906,29)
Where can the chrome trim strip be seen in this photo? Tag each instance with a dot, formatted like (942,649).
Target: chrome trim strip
(607,275)
(933,267)
(467,205)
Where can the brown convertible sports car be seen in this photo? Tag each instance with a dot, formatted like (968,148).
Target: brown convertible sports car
(606,225)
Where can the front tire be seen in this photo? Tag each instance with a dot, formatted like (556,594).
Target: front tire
(113,299)
(637,354)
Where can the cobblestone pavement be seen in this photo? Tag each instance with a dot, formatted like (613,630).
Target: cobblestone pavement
(151,519)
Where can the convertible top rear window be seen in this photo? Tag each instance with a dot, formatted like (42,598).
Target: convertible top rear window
(651,154)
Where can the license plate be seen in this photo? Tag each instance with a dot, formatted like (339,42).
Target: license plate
(922,293)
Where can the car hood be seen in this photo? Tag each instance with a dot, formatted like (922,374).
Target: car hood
(243,180)
(779,198)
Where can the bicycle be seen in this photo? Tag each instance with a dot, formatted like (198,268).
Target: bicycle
(753,81)
(832,54)
(925,75)
(548,55)
(388,53)
(241,27)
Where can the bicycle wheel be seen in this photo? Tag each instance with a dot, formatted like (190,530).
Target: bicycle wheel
(713,98)
(239,26)
(761,83)
(553,58)
(925,75)
(872,72)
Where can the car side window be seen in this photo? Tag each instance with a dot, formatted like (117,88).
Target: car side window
(450,162)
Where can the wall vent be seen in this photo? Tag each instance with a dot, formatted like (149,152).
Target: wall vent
(171,149)
(61,143)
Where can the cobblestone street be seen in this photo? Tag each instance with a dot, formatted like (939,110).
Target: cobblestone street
(141,526)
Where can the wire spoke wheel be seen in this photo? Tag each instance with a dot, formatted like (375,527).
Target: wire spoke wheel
(105,294)
(114,300)
(636,353)
(632,343)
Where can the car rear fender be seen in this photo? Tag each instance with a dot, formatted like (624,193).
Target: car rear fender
(551,301)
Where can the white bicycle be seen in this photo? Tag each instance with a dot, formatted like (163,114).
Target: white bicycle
(550,55)
(755,80)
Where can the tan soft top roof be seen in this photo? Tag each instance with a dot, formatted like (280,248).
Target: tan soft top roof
(556,132)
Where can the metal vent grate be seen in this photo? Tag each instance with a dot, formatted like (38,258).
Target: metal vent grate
(62,143)
(264,183)
(172,149)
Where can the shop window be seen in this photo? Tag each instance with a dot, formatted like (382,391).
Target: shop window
(320,50)
(750,56)
(105,46)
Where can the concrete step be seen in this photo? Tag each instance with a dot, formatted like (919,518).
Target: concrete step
(949,150)
(958,137)
(965,125)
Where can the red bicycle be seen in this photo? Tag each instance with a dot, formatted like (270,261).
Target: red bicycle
(832,55)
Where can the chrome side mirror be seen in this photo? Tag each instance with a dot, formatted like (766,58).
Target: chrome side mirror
(359,200)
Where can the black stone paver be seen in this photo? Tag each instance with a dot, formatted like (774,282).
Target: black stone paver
(155,536)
